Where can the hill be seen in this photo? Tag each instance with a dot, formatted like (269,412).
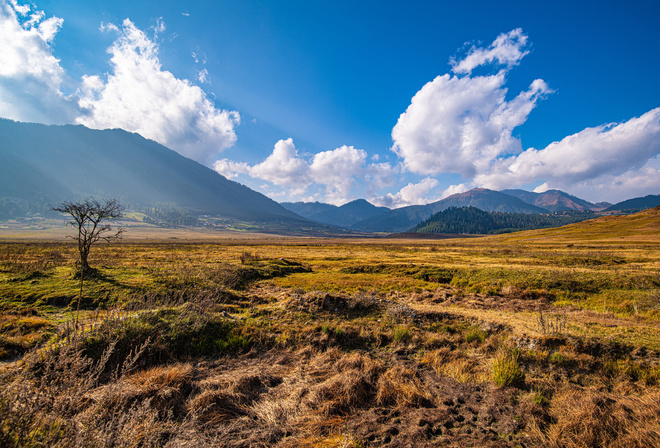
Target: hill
(471,220)
(641,227)
(554,200)
(402,219)
(41,165)
(636,204)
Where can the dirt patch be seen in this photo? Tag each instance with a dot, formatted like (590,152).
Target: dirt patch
(513,301)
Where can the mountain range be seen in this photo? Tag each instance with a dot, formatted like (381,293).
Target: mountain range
(556,201)
(42,164)
(507,201)
(343,216)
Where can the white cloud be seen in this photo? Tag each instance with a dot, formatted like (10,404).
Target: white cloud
(464,124)
(231,169)
(586,161)
(30,76)
(337,172)
(139,96)
(507,49)
(460,125)
(159,27)
(283,167)
(411,194)
(454,189)
(615,188)
(20,9)
(542,188)
(203,76)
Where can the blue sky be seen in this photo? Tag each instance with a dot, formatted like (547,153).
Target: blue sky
(397,102)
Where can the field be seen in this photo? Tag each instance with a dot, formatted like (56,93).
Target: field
(537,339)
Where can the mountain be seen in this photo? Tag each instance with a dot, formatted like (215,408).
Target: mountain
(308,209)
(490,201)
(344,216)
(404,218)
(636,204)
(554,200)
(349,214)
(471,220)
(41,165)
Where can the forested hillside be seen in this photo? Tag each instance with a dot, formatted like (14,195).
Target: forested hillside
(472,220)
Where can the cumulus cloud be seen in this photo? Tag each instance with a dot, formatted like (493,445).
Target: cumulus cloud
(614,187)
(337,172)
(31,77)
(613,152)
(139,96)
(411,194)
(283,167)
(461,123)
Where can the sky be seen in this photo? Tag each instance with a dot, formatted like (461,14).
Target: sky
(396,102)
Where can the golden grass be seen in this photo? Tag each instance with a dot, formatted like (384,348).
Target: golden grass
(366,334)
(591,417)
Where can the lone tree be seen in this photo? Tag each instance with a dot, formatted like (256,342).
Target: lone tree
(90,217)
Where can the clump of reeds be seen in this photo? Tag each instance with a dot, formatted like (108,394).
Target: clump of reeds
(507,370)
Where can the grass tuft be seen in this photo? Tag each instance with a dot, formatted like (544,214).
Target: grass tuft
(506,368)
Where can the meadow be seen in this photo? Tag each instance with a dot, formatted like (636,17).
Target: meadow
(536,339)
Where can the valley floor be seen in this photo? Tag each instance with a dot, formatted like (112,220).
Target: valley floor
(322,343)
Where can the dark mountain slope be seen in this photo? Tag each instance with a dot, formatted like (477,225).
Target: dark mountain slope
(402,219)
(636,204)
(55,163)
(308,209)
(471,220)
(348,214)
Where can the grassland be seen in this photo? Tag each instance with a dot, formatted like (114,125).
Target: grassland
(544,338)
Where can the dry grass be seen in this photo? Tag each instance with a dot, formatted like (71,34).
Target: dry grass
(368,343)
(592,417)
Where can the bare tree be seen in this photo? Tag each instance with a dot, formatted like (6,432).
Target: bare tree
(90,218)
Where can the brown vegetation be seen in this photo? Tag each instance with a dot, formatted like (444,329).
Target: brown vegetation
(332,343)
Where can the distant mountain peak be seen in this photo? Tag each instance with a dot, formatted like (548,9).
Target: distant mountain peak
(554,200)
